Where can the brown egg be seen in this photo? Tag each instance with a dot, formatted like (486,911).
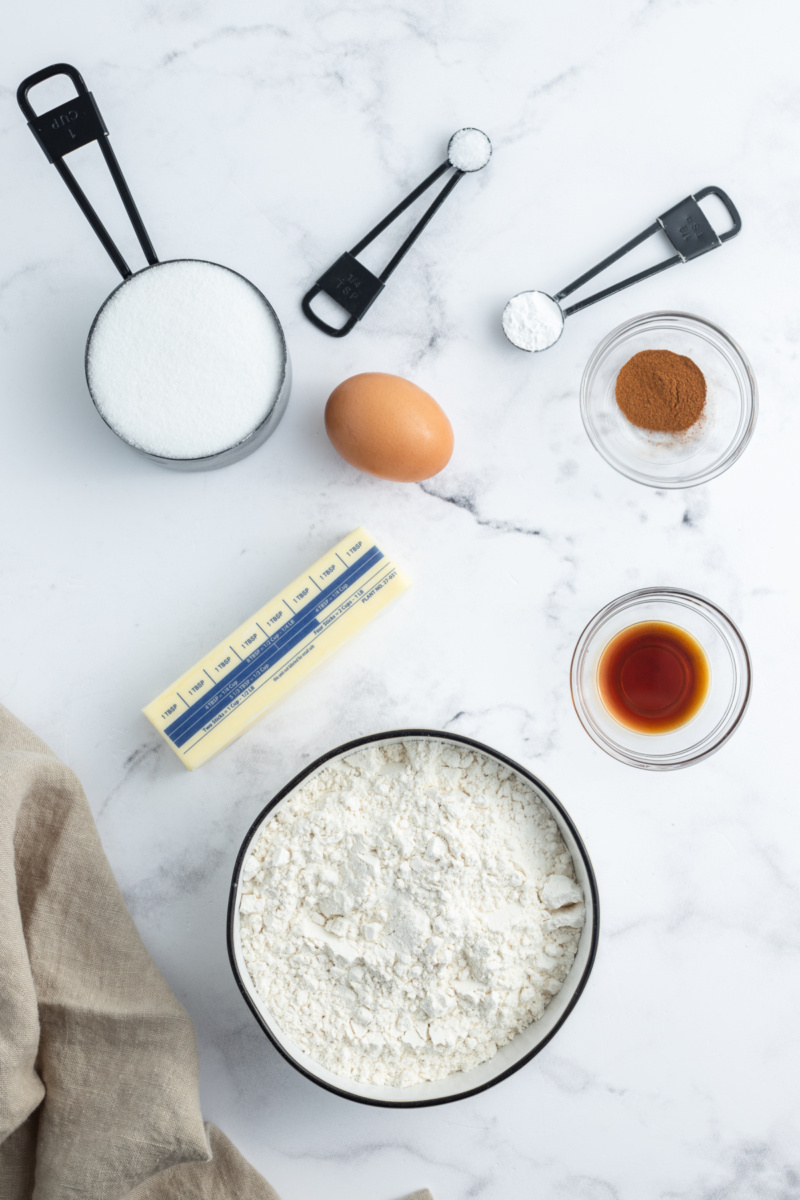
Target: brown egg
(389,427)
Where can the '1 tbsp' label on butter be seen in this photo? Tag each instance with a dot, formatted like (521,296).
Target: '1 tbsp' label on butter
(223,694)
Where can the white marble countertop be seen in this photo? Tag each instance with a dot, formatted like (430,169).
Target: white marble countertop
(269,137)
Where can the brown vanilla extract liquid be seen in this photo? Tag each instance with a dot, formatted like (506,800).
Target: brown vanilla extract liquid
(653,677)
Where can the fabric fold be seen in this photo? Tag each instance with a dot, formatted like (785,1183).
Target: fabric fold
(98,1060)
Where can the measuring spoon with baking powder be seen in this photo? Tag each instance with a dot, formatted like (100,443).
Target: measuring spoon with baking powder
(535,320)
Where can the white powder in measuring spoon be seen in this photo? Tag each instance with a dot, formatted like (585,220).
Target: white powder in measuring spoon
(533,320)
(407,911)
(469,150)
(185,359)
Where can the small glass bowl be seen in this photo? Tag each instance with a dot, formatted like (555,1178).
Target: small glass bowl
(671,460)
(728,692)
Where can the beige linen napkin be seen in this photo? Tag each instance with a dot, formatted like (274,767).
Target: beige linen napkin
(98,1061)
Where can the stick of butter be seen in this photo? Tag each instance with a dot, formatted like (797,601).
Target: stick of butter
(223,694)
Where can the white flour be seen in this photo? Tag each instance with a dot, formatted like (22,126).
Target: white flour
(185,359)
(533,320)
(409,910)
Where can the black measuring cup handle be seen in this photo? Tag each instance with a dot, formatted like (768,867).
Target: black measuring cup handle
(69,126)
(72,73)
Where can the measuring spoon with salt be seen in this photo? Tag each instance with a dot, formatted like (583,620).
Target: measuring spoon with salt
(186,360)
(535,320)
(352,285)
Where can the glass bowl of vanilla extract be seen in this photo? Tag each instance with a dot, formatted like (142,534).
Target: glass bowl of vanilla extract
(660,678)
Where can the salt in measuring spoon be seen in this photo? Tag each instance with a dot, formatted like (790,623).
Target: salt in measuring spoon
(355,288)
(186,360)
(535,320)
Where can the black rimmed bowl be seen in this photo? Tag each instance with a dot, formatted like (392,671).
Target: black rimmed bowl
(509,1058)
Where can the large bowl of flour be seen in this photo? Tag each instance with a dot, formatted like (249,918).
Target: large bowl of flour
(412,918)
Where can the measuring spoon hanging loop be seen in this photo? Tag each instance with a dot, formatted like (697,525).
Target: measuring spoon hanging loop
(69,126)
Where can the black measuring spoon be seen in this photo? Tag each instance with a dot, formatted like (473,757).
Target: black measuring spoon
(352,285)
(535,320)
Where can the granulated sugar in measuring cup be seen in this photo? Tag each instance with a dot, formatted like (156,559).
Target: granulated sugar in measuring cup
(535,320)
(186,360)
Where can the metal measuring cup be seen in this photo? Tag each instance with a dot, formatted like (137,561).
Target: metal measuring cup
(77,123)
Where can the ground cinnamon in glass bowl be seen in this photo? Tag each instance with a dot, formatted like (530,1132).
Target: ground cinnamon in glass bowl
(659,453)
(661,390)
